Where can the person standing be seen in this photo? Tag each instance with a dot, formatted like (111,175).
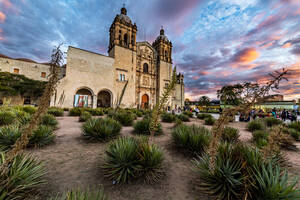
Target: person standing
(283,115)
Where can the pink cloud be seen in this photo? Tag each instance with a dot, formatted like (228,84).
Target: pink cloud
(2,17)
(6,3)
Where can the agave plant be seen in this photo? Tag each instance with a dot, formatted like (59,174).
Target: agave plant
(151,159)
(125,118)
(42,136)
(78,194)
(23,177)
(58,112)
(23,118)
(183,117)
(230,134)
(122,161)
(142,127)
(273,183)
(194,139)
(101,129)
(49,120)
(225,181)
(85,116)
(168,117)
(255,125)
(8,136)
(7,118)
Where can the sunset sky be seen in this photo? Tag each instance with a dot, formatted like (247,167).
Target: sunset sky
(215,42)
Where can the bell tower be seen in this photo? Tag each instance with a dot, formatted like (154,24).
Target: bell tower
(163,47)
(122,32)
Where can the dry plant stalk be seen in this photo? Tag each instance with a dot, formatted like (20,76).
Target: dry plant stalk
(21,143)
(250,98)
(119,100)
(161,103)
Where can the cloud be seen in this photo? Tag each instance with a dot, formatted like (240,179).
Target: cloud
(2,17)
(246,55)
(296,50)
(6,3)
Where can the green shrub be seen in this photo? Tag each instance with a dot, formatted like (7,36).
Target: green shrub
(203,115)
(125,118)
(168,117)
(238,165)
(151,159)
(57,112)
(183,118)
(255,125)
(188,113)
(22,179)
(75,111)
(194,139)
(23,117)
(42,136)
(29,109)
(271,121)
(209,121)
(139,113)
(97,112)
(142,127)
(130,158)
(259,134)
(66,109)
(295,125)
(85,116)
(7,118)
(178,122)
(8,136)
(78,194)
(294,133)
(271,182)
(101,129)
(49,120)
(230,134)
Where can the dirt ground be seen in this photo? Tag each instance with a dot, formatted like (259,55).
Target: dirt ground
(73,162)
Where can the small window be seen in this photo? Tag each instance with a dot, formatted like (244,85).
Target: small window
(16,71)
(43,74)
(122,77)
(27,101)
(166,85)
(145,68)
(126,40)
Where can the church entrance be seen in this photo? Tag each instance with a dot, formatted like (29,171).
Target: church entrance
(104,99)
(83,98)
(145,101)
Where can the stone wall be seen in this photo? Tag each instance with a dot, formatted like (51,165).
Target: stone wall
(85,70)
(29,69)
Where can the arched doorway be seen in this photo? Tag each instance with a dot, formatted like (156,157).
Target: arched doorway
(83,98)
(104,99)
(145,101)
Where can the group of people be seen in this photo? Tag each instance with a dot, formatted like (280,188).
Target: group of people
(280,114)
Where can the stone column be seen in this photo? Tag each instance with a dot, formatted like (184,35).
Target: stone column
(94,101)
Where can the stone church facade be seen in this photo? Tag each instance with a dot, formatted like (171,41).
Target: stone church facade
(94,80)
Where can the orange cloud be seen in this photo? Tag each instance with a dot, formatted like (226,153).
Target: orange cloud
(2,17)
(246,55)
(287,45)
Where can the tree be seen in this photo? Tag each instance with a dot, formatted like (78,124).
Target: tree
(204,101)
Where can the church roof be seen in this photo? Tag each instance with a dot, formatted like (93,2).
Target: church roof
(125,18)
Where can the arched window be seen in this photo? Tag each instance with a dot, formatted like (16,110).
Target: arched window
(120,37)
(166,54)
(126,39)
(145,68)
(132,40)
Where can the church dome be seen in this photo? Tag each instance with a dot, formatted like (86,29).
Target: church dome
(123,16)
(162,35)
